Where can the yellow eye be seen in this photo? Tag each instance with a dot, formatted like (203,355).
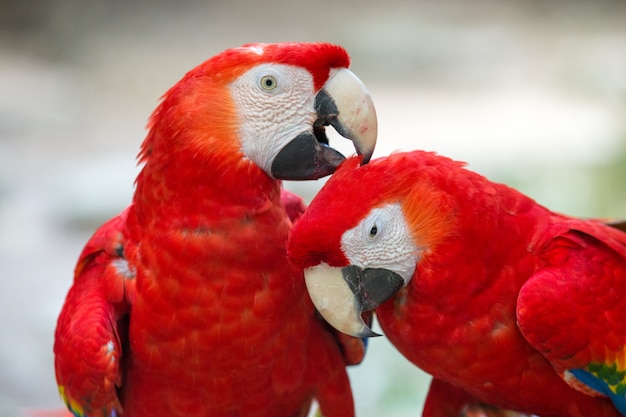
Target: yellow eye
(268,82)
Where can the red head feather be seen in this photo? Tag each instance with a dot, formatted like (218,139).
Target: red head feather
(317,58)
(412,179)
(200,104)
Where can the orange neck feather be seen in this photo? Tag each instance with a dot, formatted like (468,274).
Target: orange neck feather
(192,153)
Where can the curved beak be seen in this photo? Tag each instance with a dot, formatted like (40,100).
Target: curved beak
(342,294)
(345,104)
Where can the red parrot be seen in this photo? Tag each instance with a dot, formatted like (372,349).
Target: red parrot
(185,304)
(491,293)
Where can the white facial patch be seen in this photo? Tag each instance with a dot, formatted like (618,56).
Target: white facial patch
(275,103)
(382,240)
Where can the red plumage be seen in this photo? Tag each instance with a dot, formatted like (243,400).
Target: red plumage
(186,305)
(507,298)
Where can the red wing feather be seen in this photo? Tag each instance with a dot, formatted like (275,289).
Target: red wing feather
(88,338)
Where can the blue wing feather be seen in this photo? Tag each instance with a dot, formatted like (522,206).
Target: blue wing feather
(601,385)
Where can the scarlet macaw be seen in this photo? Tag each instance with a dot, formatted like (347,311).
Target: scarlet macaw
(185,304)
(491,293)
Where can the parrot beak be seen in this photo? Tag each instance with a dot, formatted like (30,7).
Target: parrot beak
(345,104)
(342,294)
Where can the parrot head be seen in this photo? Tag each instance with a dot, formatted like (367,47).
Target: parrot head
(363,235)
(267,105)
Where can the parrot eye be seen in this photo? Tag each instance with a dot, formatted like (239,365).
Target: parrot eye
(268,82)
(373,229)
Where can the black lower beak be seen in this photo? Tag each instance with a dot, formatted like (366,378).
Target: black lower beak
(305,158)
(372,286)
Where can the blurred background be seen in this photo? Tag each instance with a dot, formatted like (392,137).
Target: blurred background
(530,93)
